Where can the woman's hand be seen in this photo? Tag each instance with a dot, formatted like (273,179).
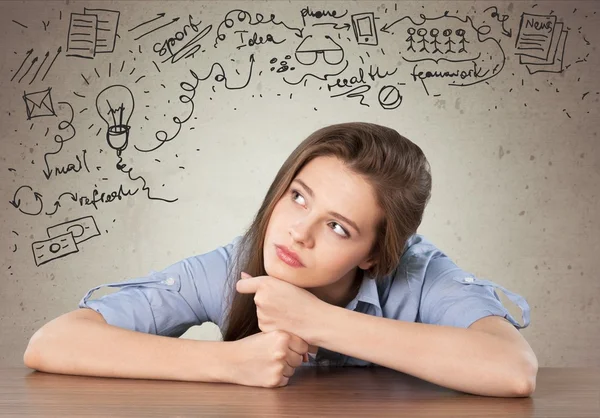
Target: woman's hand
(282,306)
(267,359)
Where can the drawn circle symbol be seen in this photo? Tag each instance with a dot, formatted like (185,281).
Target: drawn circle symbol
(389,97)
(422,32)
(460,32)
(76,230)
(54,248)
(447,32)
(434,32)
(411,31)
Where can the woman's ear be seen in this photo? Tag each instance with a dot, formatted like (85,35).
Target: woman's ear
(367,264)
(370,261)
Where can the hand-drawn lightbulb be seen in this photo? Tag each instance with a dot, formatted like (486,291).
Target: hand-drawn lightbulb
(115,105)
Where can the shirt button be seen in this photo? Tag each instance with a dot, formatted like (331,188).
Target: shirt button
(469,279)
(170,281)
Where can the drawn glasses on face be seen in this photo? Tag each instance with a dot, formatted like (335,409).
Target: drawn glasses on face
(331,56)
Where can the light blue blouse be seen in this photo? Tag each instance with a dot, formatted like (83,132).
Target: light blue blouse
(426,287)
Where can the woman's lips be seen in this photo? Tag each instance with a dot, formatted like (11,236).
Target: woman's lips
(288,257)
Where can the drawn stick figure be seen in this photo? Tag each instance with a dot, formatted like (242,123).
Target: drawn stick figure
(434,34)
(422,32)
(410,40)
(449,42)
(463,41)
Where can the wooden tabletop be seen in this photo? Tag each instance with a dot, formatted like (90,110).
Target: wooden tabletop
(314,392)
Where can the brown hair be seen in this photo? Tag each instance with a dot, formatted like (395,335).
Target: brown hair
(395,167)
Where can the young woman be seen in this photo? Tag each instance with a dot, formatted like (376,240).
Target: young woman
(331,271)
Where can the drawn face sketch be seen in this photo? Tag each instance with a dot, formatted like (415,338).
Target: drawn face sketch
(306,221)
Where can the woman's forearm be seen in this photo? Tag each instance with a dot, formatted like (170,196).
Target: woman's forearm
(461,359)
(71,345)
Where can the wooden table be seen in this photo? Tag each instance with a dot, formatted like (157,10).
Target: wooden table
(314,392)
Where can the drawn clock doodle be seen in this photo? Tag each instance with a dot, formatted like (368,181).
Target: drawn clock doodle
(63,239)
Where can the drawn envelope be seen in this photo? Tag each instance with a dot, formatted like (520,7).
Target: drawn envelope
(39,104)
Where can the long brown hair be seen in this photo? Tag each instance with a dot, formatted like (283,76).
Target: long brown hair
(394,166)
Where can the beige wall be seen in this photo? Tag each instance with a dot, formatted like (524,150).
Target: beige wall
(514,154)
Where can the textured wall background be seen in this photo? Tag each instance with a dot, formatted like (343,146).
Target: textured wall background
(138,133)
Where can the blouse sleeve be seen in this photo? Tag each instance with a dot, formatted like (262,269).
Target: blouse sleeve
(452,296)
(168,302)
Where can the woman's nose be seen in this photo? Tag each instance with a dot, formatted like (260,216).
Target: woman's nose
(301,232)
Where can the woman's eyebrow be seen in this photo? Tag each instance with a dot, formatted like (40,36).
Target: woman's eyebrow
(337,215)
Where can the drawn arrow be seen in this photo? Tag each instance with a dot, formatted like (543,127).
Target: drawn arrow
(27,56)
(40,67)
(160,15)
(252,61)
(155,29)
(48,173)
(56,206)
(335,26)
(385,28)
(32,62)
(17,202)
(50,66)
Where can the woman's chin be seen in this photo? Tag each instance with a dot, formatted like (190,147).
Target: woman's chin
(281,271)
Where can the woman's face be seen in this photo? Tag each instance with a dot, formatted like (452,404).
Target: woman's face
(328,218)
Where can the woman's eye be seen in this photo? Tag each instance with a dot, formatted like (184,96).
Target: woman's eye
(294,194)
(341,231)
(345,234)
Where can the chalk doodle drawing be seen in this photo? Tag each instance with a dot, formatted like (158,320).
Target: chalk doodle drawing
(115,105)
(93,32)
(63,239)
(39,104)
(32,63)
(540,43)
(335,52)
(365,32)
